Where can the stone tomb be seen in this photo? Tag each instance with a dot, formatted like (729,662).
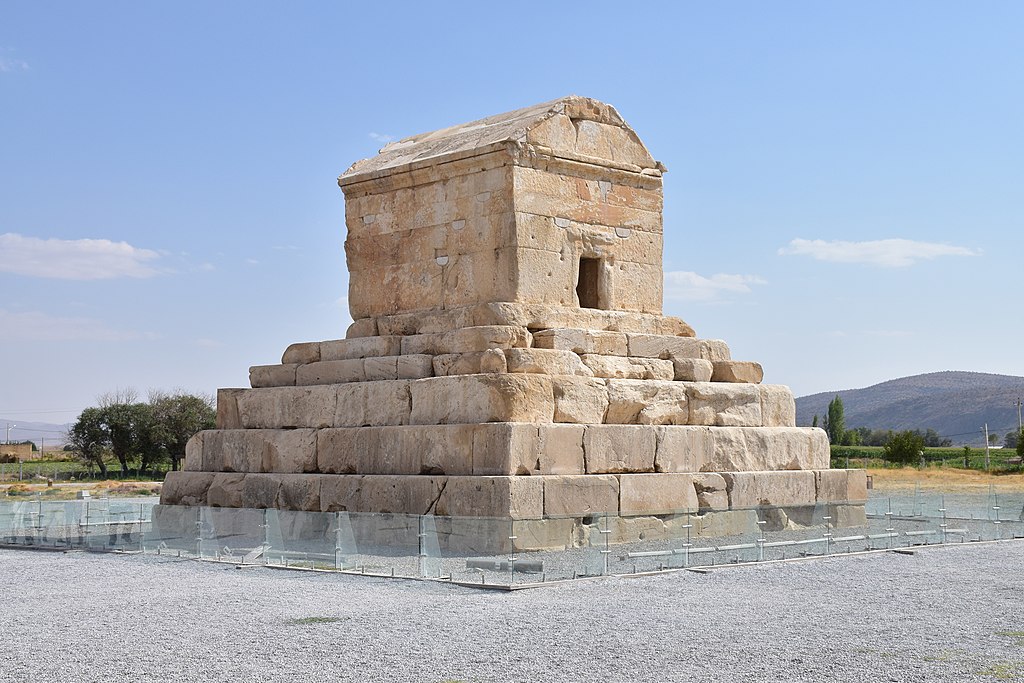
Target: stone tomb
(509,357)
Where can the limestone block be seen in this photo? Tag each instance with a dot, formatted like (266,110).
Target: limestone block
(545,362)
(260,450)
(482,338)
(778,408)
(535,231)
(194,453)
(515,497)
(586,494)
(636,287)
(381,367)
(525,449)
(750,489)
(402,494)
(622,367)
(330,372)
(287,407)
(414,366)
(613,449)
(373,403)
(299,492)
(227,409)
(542,317)
(583,400)
(711,490)
(646,402)
(302,352)
(541,534)
(272,375)
(492,360)
(666,346)
(260,491)
(737,371)
(441,449)
(347,450)
(821,453)
(364,327)
(724,405)
(835,486)
(360,347)
(226,490)
(691,369)
(761,448)
(582,341)
(482,398)
(683,449)
(185,488)
(546,277)
(656,494)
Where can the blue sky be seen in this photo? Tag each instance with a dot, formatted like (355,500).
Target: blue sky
(843,202)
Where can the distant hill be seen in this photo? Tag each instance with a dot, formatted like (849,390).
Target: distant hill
(954,404)
(38,432)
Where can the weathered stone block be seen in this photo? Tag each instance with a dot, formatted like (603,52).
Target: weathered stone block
(185,488)
(646,402)
(260,450)
(691,369)
(514,497)
(272,375)
(665,347)
(287,407)
(656,494)
(622,367)
(381,367)
(194,453)
(364,327)
(737,371)
(525,449)
(612,449)
(586,494)
(373,404)
(330,372)
(360,347)
(581,341)
(299,492)
(712,492)
(545,362)
(778,408)
(750,489)
(411,494)
(482,398)
(227,409)
(683,449)
(302,352)
(841,486)
(724,405)
(759,448)
(415,366)
(226,490)
(580,399)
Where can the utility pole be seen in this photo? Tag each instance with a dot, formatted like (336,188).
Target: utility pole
(9,428)
(1020,426)
(986,447)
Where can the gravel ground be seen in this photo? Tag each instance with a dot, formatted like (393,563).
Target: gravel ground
(943,614)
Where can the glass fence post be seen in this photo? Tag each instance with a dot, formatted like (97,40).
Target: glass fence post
(512,551)
(889,529)
(760,538)
(943,525)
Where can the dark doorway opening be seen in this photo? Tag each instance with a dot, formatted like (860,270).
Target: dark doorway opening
(586,287)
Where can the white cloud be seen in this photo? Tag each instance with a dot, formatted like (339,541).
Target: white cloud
(381,138)
(37,326)
(683,285)
(85,259)
(10,64)
(252,261)
(889,253)
(206,343)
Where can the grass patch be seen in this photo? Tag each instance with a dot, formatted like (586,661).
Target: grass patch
(1004,671)
(303,621)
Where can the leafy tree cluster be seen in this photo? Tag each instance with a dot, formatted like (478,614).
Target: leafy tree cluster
(1012,439)
(146,434)
(904,448)
(834,423)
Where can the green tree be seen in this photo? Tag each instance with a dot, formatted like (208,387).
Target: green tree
(836,425)
(1010,441)
(126,422)
(176,417)
(814,422)
(904,448)
(88,438)
(1020,443)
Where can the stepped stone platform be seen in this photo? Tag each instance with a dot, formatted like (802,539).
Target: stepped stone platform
(508,356)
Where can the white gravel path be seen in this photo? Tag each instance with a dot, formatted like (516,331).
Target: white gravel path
(939,615)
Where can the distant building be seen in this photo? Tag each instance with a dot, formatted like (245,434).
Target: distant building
(19,451)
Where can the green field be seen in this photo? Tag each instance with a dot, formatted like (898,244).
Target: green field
(66,470)
(1000,459)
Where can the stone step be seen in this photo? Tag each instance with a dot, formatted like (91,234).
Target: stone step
(509,397)
(512,497)
(507,449)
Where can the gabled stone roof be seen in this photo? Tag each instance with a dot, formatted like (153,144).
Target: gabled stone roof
(513,127)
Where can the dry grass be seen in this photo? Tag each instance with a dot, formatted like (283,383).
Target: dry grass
(942,479)
(112,489)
